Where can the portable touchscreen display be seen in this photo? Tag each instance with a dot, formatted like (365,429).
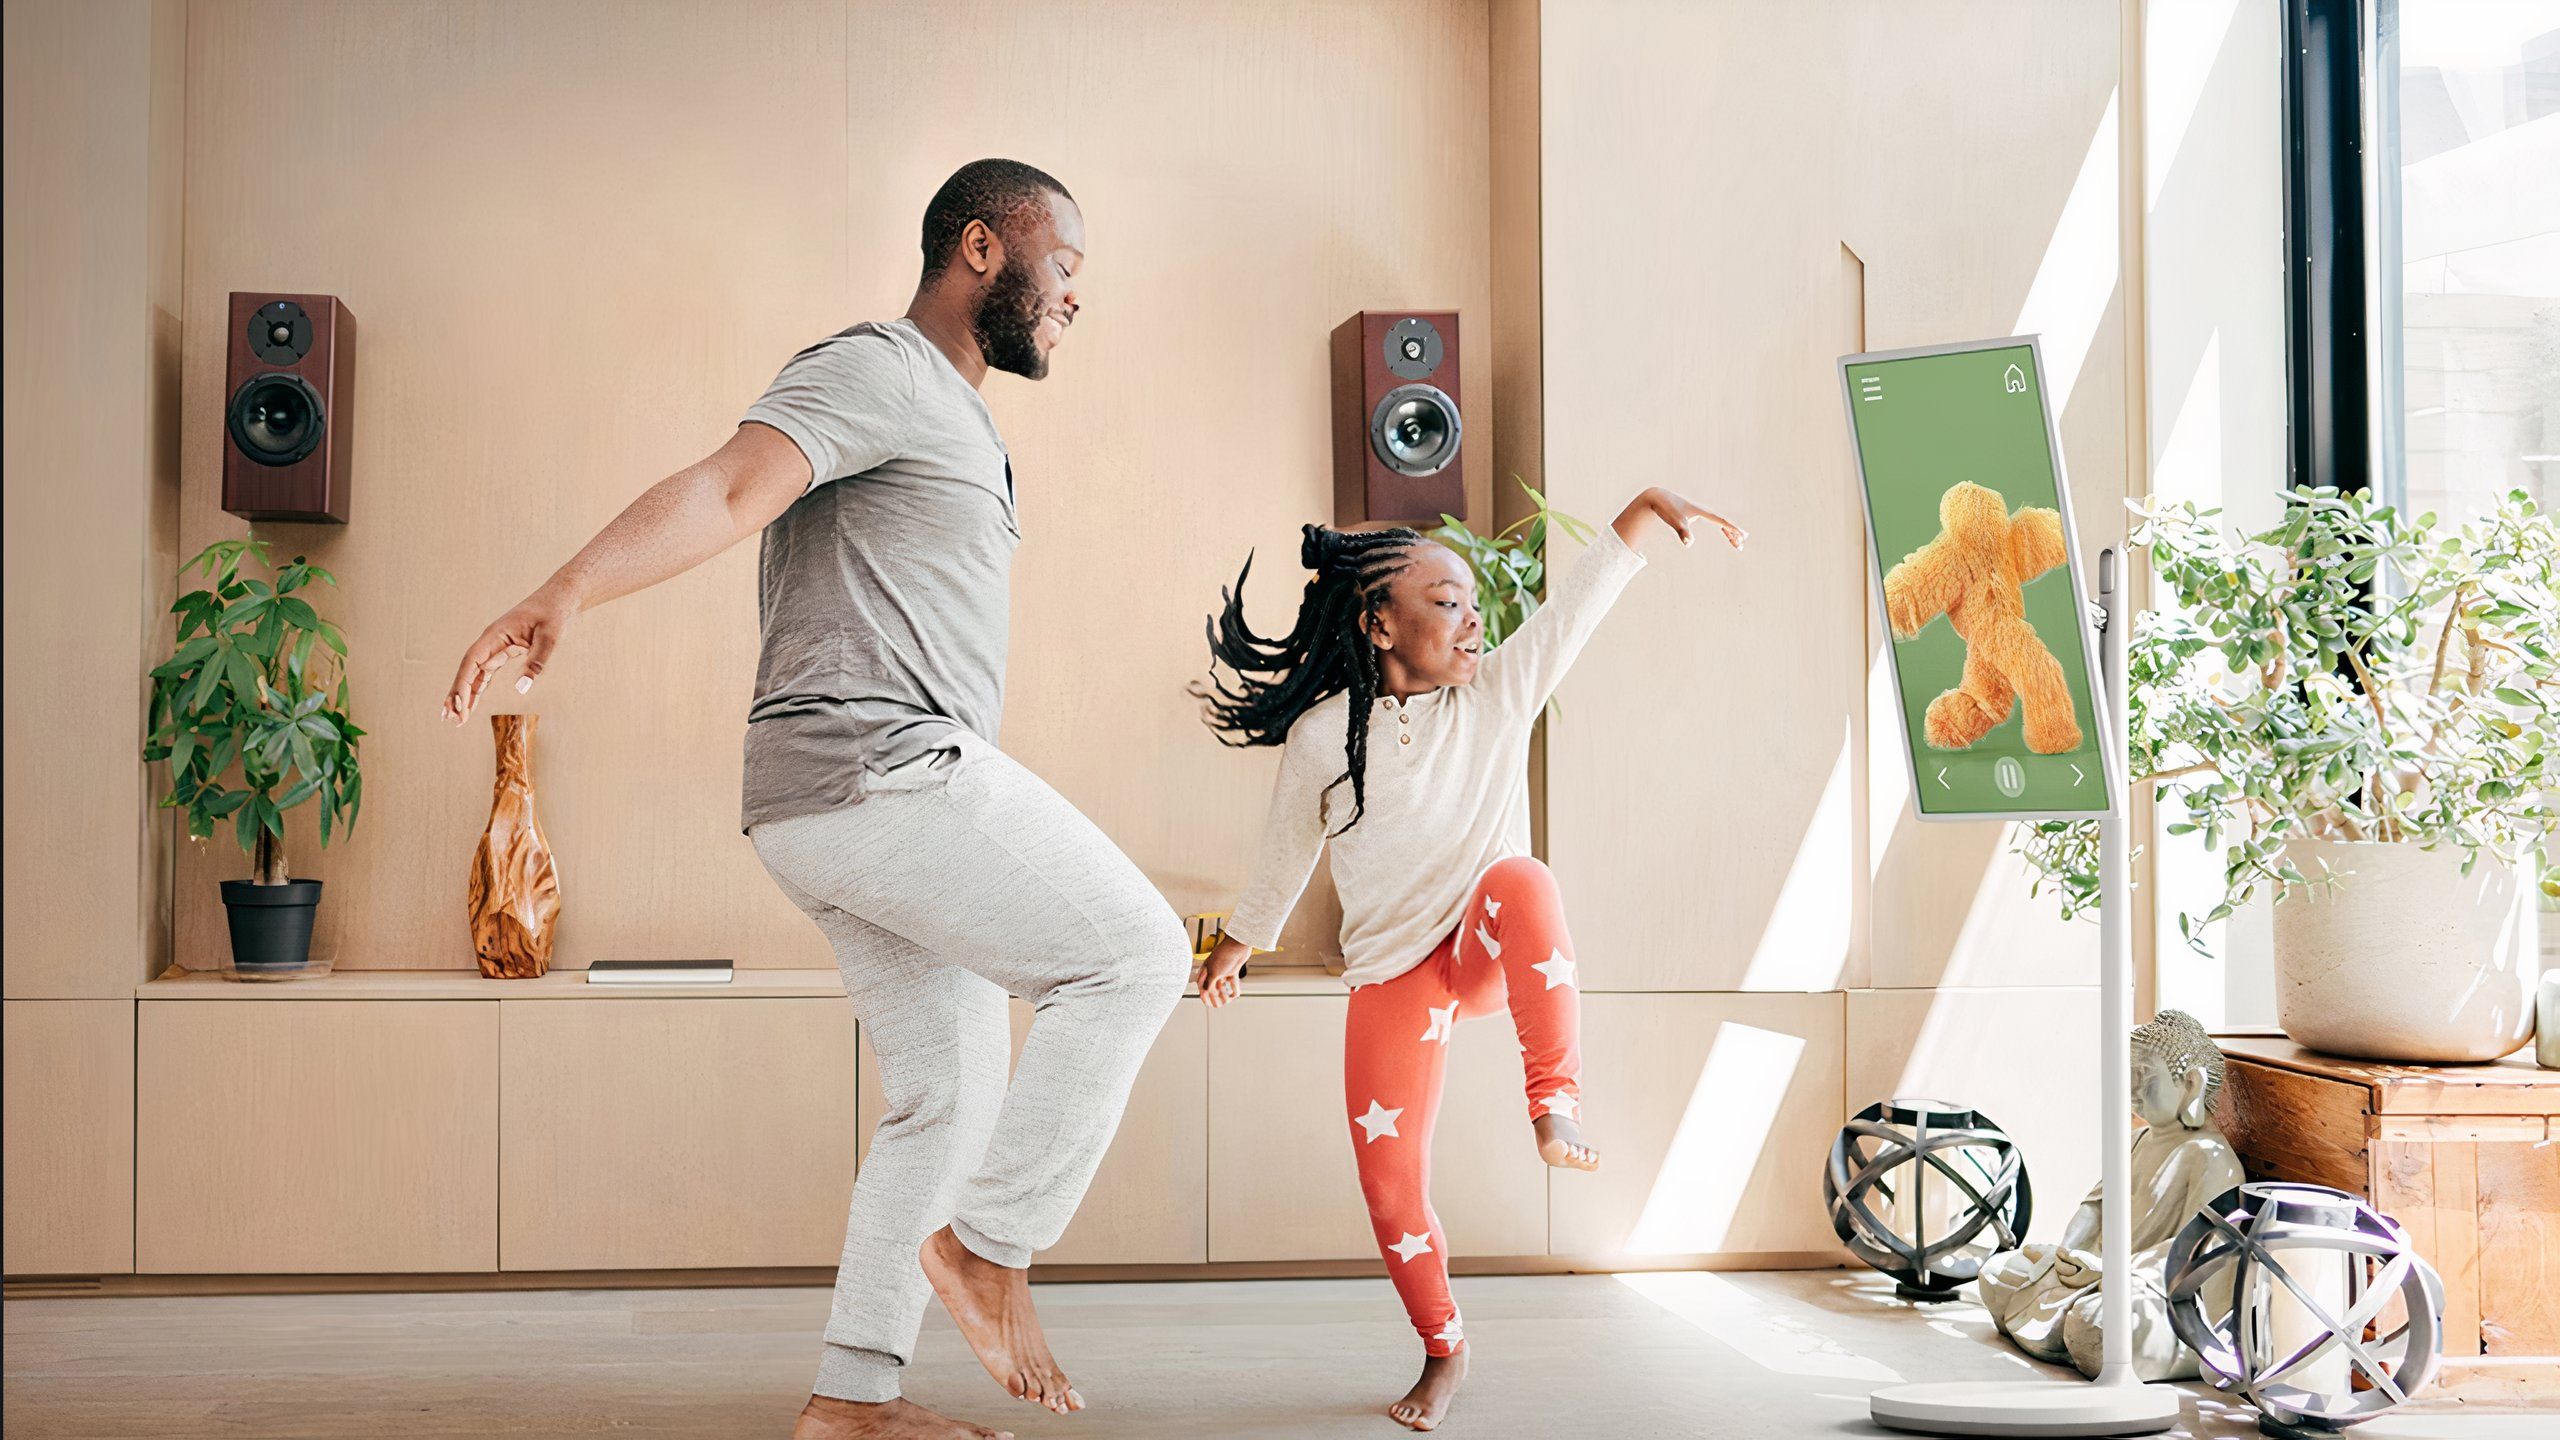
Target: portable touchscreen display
(1978,578)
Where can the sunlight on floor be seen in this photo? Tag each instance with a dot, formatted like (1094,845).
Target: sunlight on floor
(1751,1327)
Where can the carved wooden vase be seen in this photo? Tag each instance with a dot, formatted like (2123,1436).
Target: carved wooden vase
(515,890)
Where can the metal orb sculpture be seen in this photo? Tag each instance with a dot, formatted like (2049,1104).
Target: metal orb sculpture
(2308,1302)
(1926,1192)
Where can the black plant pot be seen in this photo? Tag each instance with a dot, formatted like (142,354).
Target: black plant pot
(271,925)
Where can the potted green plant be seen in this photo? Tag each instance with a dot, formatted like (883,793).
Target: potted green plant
(1510,565)
(2361,712)
(250,711)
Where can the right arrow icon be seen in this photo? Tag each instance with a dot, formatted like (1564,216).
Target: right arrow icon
(2077,778)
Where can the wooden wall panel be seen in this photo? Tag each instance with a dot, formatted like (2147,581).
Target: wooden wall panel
(68,1137)
(1698,190)
(1712,1114)
(610,1157)
(580,238)
(1149,1201)
(2021,1055)
(1249,175)
(322,1137)
(93,184)
(1281,1180)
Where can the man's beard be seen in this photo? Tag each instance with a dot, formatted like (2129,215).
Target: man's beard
(1008,322)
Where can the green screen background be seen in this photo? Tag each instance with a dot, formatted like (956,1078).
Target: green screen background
(1941,419)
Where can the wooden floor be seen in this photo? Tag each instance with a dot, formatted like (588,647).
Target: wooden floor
(1736,1356)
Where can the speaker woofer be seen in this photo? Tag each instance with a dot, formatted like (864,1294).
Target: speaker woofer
(276,419)
(1415,430)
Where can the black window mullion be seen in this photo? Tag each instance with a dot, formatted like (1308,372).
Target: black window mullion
(2328,390)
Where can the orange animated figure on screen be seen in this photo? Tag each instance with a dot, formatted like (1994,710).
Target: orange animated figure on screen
(1974,573)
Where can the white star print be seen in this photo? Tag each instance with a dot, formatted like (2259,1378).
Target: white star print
(1456,1331)
(1561,1103)
(1492,907)
(1557,969)
(1412,1245)
(1492,946)
(1444,1023)
(1379,1121)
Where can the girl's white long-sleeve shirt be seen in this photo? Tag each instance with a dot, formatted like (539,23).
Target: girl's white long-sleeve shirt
(1448,788)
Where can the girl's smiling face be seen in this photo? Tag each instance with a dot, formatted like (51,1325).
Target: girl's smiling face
(1429,633)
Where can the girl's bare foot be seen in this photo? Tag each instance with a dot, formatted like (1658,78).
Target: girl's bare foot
(831,1419)
(1423,1406)
(1560,1144)
(991,1304)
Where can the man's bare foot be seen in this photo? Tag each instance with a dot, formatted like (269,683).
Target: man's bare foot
(1427,1402)
(991,1304)
(831,1419)
(1560,1144)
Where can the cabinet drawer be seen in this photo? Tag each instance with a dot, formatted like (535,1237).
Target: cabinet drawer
(317,1136)
(664,1134)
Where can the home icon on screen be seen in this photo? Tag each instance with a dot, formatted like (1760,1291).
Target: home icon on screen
(2017,381)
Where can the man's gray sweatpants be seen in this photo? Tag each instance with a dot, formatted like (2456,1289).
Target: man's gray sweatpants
(957,880)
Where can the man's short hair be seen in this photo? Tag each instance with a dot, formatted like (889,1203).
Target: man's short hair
(993,191)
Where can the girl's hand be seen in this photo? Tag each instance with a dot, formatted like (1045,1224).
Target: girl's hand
(1677,511)
(1217,977)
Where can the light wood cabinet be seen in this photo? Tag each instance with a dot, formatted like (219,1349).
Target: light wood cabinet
(69,1136)
(650,1133)
(1712,1113)
(1148,1204)
(317,1136)
(1281,1180)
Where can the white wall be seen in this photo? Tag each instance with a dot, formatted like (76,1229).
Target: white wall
(2214,253)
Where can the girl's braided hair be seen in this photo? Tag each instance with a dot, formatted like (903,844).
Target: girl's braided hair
(1326,652)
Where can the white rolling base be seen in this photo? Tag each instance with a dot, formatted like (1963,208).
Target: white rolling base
(2026,1407)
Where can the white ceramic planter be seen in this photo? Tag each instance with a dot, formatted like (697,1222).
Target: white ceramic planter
(2546,1025)
(2411,960)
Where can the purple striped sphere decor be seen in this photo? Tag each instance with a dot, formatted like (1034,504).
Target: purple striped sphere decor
(2307,1302)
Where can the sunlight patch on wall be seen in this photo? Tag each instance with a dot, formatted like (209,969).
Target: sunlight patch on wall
(1805,942)
(2182,40)
(2078,271)
(1723,1131)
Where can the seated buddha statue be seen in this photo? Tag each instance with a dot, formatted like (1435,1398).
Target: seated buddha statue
(2045,1297)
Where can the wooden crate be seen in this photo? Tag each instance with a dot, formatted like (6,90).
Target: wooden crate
(2467,1157)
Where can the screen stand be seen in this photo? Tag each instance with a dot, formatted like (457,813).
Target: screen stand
(2115,1403)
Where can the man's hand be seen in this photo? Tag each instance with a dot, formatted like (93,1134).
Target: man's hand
(675,525)
(1217,977)
(531,630)
(1676,511)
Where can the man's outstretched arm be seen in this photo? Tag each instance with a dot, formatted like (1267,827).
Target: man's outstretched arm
(675,525)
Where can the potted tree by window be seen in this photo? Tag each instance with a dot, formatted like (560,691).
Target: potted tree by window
(250,711)
(2361,712)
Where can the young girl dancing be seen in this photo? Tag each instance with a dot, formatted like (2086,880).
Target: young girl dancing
(1407,751)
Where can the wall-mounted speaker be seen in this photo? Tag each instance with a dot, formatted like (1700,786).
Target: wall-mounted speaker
(287,428)
(1398,430)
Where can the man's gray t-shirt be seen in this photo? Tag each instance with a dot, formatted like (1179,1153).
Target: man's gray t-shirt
(883,591)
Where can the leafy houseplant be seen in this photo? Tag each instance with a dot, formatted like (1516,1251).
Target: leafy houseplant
(2346,688)
(250,711)
(1510,565)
